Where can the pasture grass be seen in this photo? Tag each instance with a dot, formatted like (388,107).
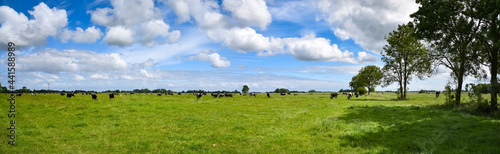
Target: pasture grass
(305,123)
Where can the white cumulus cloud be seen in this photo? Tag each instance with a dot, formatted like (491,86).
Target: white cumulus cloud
(119,36)
(241,37)
(99,76)
(134,21)
(56,61)
(366,22)
(249,12)
(16,27)
(215,59)
(90,35)
(364,57)
(79,78)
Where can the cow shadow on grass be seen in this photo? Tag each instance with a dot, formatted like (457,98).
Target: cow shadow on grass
(415,129)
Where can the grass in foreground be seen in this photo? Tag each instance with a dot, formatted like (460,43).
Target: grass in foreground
(303,123)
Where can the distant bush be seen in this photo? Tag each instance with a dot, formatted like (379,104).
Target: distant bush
(361,90)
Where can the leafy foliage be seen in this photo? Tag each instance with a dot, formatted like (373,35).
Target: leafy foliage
(281,90)
(361,90)
(245,89)
(451,30)
(404,57)
(368,76)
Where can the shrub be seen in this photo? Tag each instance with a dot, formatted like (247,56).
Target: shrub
(448,93)
(361,90)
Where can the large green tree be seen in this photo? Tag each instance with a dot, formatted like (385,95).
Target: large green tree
(368,76)
(488,13)
(405,57)
(245,89)
(452,33)
(371,75)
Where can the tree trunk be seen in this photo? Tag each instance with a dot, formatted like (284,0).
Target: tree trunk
(458,91)
(401,90)
(495,49)
(404,85)
(494,80)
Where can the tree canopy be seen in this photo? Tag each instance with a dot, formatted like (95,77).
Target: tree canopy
(245,89)
(404,57)
(452,31)
(368,76)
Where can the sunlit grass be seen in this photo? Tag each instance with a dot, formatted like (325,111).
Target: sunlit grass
(303,123)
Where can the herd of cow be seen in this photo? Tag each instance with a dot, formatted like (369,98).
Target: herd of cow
(199,95)
(349,95)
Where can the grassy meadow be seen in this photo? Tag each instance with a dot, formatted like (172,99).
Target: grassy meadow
(305,123)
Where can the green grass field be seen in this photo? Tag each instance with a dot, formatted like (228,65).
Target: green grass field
(305,123)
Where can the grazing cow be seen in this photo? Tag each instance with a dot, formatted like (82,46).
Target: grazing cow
(288,93)
(198,95)
(268,95)
(333,95)
(221,95)
(178,93)
(282,94)
(70,95)
(132,93)
(349,95)
(253,94)
(357,95)
(111,96)
(19,94)
(62,94)
(159,94)
(437,94)
(228,95)
(214,95)
(94,97)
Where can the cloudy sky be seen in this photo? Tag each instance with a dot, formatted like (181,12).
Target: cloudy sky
(199,44)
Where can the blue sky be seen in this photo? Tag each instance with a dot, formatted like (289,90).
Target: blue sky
(200,44)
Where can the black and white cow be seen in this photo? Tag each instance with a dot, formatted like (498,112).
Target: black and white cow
(268,95)
(198,95)
(253,94)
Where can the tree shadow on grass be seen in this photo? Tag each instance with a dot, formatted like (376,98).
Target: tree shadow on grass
(414,129)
